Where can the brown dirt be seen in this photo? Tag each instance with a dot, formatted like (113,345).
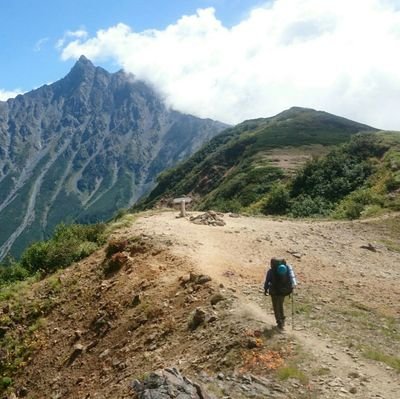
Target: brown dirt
(346,303)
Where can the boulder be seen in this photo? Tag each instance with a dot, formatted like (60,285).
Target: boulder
(198,317)
(166,384)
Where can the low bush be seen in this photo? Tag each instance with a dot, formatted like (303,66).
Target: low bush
(69,244)
(284,373)
(278,200)
(357,203)
(305,206)
(5,382)
(12,272)
(90,232)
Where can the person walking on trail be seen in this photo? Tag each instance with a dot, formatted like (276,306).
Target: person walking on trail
(279,282)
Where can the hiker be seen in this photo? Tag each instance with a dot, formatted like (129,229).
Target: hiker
(279,282)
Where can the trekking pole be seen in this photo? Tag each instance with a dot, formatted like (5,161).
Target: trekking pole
(292,310)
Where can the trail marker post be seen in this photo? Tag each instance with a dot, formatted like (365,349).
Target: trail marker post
(182,202)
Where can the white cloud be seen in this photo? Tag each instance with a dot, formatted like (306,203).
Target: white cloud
(40,43)
(337,55)
(77,34)
(6,94)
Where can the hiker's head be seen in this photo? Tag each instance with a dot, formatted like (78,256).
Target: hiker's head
(275,262)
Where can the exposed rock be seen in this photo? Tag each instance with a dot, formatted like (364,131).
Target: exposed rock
(185,279)
(101,323)
(193,278)
(202,279)
(104,354)
(22,392)
(136,301)
(198,317)
(78,349)
(209,218)
(369,246)
(216,298)
(296,254)
(354,374)
(168,383)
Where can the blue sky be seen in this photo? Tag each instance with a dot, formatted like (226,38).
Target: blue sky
(229,60)
(30,29)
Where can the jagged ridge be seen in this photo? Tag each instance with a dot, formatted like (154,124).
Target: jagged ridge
(83,147)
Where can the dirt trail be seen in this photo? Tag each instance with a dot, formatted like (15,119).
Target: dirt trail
(339,281)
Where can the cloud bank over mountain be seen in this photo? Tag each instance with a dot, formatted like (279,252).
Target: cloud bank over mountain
(6,94)
(339,56)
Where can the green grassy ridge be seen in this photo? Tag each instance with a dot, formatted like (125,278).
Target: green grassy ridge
(229,174)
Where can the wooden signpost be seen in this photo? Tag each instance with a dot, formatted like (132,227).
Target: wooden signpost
(182,201)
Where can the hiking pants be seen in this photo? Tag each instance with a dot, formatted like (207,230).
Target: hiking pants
(277,303)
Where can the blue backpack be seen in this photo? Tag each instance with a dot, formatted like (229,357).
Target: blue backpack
(281,281)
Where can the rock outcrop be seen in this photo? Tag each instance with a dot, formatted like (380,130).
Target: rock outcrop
(168,383)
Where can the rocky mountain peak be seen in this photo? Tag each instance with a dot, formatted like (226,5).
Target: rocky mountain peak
(84,61)
(84,146)
(82,72)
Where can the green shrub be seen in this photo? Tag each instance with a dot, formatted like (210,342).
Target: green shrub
(86,248)
(364,146)
(12,273)
(393,182)
(120,214)
(35,257)
(355,204)
(372,210)
(5,382)
(69,244)
(394,203)
(353,210)
(278,200)
(91,232)
(341,172)
(287,372)
(332,177)
(305,206)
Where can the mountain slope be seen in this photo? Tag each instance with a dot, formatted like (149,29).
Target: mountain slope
(236,168)
(83,147)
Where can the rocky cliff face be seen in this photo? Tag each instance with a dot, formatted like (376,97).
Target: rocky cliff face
(83,147)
